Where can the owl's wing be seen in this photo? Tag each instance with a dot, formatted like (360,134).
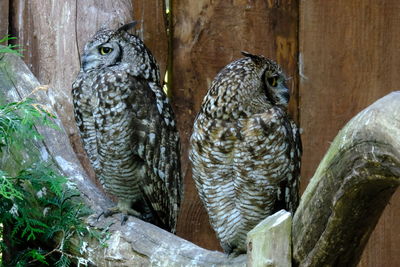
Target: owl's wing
(157,144)
(212,154)
(296,152)
(269,161)
(83,111)
(163,187)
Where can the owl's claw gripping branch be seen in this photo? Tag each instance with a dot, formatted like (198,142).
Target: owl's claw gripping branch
(125,210)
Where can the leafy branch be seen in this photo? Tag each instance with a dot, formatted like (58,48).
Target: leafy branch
(10,49)
(18,119)
(37,203)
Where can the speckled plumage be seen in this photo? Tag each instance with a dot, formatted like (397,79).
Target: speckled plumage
(127,126)
(245,150)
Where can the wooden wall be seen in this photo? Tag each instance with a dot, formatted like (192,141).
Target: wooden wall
(4,18)
(349,53)
(342,55)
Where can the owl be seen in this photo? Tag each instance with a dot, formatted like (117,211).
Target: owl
(127,127)
(245,150)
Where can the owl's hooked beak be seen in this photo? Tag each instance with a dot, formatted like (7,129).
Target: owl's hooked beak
(283,93)
(89,62)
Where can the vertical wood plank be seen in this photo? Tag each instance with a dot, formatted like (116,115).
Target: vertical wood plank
(349,57)
(53,34)
(4,17)
(152,29)
(383,246)
(207,36)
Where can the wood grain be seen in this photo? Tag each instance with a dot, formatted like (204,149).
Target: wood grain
(349,57)
(4,9)
(208,35)
(152,28)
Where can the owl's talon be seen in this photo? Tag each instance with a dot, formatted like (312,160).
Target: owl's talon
(124,213)
(124,218)
(235,252)
(111,211)
(98,217)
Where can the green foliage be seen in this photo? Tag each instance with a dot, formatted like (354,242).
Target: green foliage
(37,203)
(17,121)
(11,49)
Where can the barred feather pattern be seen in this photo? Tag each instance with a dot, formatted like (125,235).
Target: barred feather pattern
(128,129)
(245,150)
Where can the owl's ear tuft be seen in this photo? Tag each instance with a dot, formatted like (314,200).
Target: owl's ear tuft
(127,27)
(247,54)
(256,59)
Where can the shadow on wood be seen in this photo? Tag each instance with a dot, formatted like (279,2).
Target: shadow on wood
(337,212)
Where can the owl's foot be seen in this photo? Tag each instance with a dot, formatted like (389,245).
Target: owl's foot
(232,251)
(125,210)
(236,252)
(114,210)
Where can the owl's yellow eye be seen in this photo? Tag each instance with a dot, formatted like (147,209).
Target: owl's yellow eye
(105,50)
(273,81)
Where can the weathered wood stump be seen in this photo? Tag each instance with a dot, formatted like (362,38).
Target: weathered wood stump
(337,213)
(261,252)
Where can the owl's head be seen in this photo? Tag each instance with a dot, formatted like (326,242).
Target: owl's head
(273,79)
(109,48)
